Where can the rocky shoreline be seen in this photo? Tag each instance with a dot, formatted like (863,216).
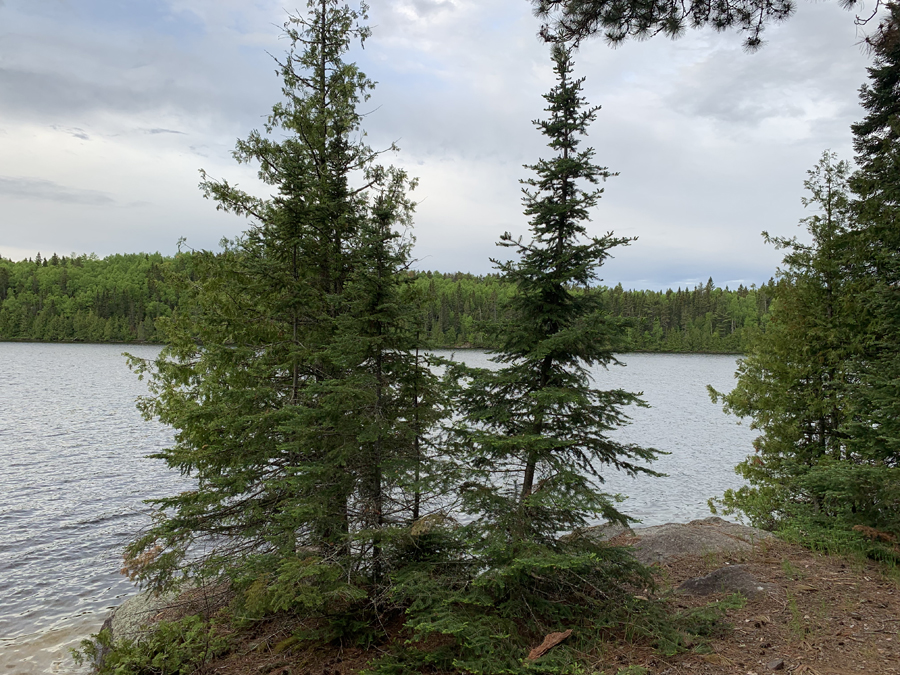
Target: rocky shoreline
(805,613)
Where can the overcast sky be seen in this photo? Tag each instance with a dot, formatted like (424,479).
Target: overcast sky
(108,108)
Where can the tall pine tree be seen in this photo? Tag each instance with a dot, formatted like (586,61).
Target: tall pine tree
(538,429)
(875,264)
(292,379)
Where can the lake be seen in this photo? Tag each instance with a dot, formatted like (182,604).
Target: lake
(75,475)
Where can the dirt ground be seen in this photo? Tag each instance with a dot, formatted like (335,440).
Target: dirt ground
(827,615)
(830,615)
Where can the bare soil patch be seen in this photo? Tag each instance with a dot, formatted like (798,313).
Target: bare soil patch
(829,615)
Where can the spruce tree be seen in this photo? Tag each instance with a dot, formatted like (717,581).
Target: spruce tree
(531,442)
(291,373)
(537,429)
(875,262)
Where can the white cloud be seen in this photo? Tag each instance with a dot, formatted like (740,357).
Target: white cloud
(712,143)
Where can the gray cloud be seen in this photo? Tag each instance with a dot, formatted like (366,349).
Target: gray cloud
(48,190)
(154,132)
(798,74)
(53,94)
(75,132)
(57,72)
(426,8)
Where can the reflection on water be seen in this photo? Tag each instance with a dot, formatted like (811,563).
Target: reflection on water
(74,475)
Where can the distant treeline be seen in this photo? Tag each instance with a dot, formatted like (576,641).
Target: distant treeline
(119,299)
(84,298)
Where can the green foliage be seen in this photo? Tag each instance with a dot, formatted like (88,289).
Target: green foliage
(705,319)
(336,609)
(171,648)
(463,310)
(129,298)
(856,513)
(86,299)
(483,612)
(617,20)
(535,433)
(793,382)
(291,371)
(328,455)
(822,382)
(529,442)
(874,263)
(296,584)
(486,619)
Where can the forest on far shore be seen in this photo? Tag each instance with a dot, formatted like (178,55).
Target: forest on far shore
(120,297)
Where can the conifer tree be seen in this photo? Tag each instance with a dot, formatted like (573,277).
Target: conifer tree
(875,261)
(531,441)
(617,20)
(822,381)
(291,377)
(793,383)
(538,430)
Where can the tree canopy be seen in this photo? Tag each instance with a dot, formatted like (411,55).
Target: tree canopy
(618,20)
(339,478)
(122,298)
(343,481)
(290,373)
(822,383)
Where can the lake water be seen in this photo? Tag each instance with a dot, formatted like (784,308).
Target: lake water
(74,477)
(705,444)
(71,488)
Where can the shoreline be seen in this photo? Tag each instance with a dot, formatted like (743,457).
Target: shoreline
(468,348)
(800,611)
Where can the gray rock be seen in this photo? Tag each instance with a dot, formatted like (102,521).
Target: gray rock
(699,537)
(777,664)
(131,619)
(605,532)
(135,617)
(730,579)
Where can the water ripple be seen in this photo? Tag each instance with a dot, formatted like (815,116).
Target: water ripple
(71,490)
